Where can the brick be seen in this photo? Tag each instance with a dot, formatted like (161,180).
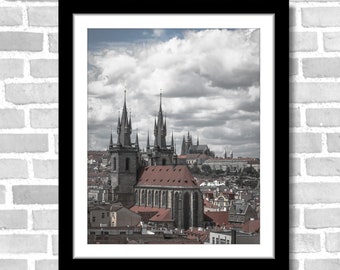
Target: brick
(13,219)
(21,41)
(305,143)
(35,194)
(22,143)
(321,16)
(323,117)
(333,242)
(44,118)
(333,142)
(314,92)
(323,166)
(294,117)
(293,265)
(293,66)
(12,118)
(55,244)
(303,42)
(13,264)
(43,16)
(45,168)
(315,193)
(322,218)
(2,194)
(44,68)
(46,264)
(53,42)
(11,68)
(27,93)
(45,220)
(292,17)
(13,168)
(23,243)
(56,143)
(10,16)
(304,243)
(324,264)
(331,41)
(294,167)
(294,217)
(321,67)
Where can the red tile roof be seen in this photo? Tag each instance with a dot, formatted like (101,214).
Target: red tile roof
(252,226)
(167,176)
(220,218)
(153,213)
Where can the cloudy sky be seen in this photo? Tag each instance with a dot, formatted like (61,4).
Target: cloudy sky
(209,80)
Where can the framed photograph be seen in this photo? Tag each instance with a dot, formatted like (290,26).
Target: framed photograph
(174,133)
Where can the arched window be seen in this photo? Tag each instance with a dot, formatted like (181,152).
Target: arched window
(143,198)
(164,199)
(149,198)
(156,199)
(114,164)
(163,161)
(137,197)
(127,164)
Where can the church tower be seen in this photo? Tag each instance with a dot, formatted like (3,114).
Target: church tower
(124,160)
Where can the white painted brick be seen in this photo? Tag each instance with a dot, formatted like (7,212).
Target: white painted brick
(333,142)
(26,93)
(21,41)
(10,16)
(45,168)
(44,68)
(44,118)
(56,143)
(321,16)
(320,67)
(333,242)
(293,66)
(305,143)
(23,244)
(322,218)
(323,117)
(21,143)
(12,118)
(327,166)
(294,117)
(2,194)
(11,68)
(315,193)
(13,168)
(294,217)
(331,41)
(46,264)
(314,92)
(293,265)
(45,220)
(303,243)
(53,42)
(292,16)
(13,219)
(13,264)
(55,244)
(303,42)
(294,167)
(43,16)
(324,264)
(35,194)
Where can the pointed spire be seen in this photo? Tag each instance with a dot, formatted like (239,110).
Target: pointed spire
(111,141)
(164,126)
(198,141)
(160,100)
(172,139)
(183,152)
(148,142)
(137,141)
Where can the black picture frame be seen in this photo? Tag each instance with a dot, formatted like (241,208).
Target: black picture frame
(66,122)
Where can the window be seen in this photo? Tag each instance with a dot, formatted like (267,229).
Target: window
(213,240)
(103,215)
(107,214)
(164,161)
(93,219)
(114,164)
(127,164)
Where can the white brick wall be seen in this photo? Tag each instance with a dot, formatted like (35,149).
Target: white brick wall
(28,113)
(315,134)
(28,135)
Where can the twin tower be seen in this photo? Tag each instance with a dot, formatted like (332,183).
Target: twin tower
(126,159)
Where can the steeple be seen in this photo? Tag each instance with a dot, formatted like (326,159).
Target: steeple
(183,151)
(124,127)
(172,140)
(111,141)
(198,141)
(148,142)
(160,127)
(137,141)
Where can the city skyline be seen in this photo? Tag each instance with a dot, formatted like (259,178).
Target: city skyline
(209,80)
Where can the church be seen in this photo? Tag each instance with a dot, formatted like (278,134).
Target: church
(155,183)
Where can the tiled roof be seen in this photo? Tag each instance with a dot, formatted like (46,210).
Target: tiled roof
(220,218)
(209,204)
(167,176)
(152,213)
(251,226)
